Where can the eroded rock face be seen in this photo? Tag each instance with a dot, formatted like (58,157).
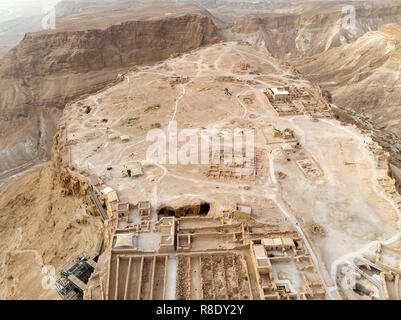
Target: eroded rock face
(362,76)
(49,69)
(313,28)
(131,42)
(46,218)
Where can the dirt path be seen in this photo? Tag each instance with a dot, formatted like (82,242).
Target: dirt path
(17,238)
(271,189)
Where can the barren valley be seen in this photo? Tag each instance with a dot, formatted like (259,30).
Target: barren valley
(306,204)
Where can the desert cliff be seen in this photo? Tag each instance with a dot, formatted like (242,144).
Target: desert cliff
(50,68)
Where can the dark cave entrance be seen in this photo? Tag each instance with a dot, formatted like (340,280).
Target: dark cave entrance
(201,209)
(204,209)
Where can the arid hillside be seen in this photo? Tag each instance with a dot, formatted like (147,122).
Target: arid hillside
(18,19)
(363,76)
(84,96)
(312,28)
(50,68)
(46,218)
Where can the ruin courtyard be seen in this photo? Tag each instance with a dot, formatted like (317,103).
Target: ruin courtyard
(315,196)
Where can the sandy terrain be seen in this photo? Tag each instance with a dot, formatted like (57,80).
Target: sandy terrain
(343,202)
(40,228)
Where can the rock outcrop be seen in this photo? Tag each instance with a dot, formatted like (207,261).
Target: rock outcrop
(363,81)
(312,28)
(363,76)
(50,68)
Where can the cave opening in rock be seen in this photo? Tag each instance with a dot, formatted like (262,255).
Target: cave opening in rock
(204,208)
(200,209)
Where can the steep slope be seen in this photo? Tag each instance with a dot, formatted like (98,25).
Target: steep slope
(312,28)
(27,19)
(43,228)
(364,81)
(48,69)
(13,31)
(363,76)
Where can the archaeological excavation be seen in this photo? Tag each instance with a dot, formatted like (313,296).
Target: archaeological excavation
(201,150)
